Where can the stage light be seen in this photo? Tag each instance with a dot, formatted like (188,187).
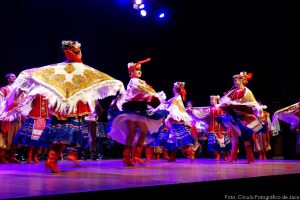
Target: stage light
(161,15)
(143,13)
(142,6)
(152,9)
(138,2)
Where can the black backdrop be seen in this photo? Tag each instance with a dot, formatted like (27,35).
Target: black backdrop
(203,45)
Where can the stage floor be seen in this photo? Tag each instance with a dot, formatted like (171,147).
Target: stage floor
(31,180)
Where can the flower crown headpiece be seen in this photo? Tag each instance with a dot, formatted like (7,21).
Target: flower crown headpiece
(179,84)
(217,97)
(243,75)
(73,46)
(182,91)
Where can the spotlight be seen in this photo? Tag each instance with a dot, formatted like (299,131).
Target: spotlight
(153,9)
(142,6)
(161,15)
(138,2)
(143,13)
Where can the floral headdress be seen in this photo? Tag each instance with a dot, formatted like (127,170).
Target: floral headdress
(73,46)
(217,97)
(244,75)
(71,50)
(181,87)
(179,84)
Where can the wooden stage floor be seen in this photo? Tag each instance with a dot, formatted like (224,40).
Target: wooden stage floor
(181,178)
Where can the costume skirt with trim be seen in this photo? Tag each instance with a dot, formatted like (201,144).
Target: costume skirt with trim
(261,139)
(23,136)
(214,144)
(118,125)
(179,138)
(160,137)
(72,131)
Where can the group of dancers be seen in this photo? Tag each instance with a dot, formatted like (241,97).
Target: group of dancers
(53,106)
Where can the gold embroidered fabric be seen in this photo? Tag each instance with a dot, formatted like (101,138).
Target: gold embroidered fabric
(179,105)
(248,97)
(145,87)
(69,78)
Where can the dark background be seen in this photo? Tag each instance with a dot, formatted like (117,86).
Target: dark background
(203,45)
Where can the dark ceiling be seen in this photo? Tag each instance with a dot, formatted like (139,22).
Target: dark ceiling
(203,44)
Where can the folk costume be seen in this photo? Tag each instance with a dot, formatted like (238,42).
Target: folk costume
(178,131)
(9,127)
(218,137)
(138,116)
(71,89)
(242,113)
(262,138)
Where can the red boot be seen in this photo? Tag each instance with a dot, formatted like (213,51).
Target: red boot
(36,152)
(189,152)
(233,153)
(3,156)
(29,155)
(249,152)
(165,154)
(137,155)
(51,162)
(149,153)
(126,156)
(158,156)
(218,155)
(72,156)
(226,155)
(264,155)
(260,156)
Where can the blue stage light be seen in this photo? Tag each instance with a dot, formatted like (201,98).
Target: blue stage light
(142,6)
(161,15)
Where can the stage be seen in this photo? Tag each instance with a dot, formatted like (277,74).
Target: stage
(183,178)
